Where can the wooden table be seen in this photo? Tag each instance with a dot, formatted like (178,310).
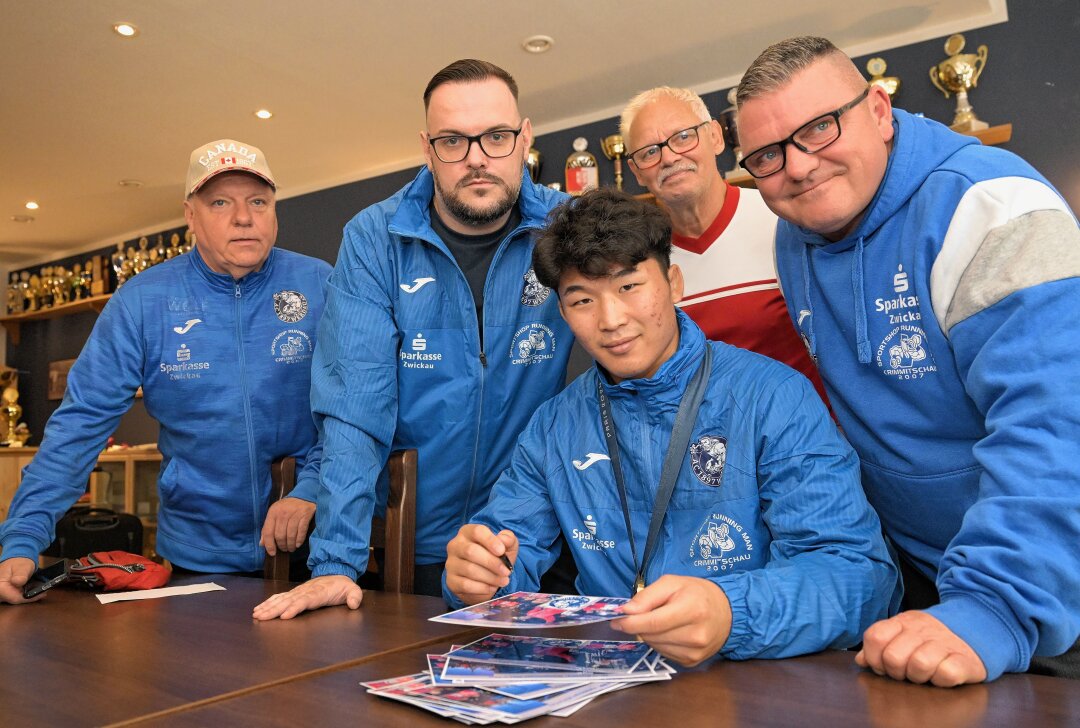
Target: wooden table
(200,661)
(817,690)
(71,661)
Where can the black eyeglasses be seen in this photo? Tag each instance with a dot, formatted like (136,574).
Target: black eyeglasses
(809,138)
(495,144)
(679,142)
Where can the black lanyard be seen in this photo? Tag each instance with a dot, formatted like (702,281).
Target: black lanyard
(680,438)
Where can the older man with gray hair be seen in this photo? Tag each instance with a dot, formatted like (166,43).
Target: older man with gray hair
(722,236)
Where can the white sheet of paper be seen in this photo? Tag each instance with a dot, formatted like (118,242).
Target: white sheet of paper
(168,591)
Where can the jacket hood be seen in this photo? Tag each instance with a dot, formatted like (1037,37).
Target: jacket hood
(920,146)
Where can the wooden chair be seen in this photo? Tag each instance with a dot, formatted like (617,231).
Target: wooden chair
(395,534)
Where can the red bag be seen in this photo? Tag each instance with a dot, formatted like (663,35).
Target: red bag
(118,571)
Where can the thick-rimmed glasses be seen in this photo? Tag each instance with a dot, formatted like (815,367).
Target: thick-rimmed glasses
(809,138)
(679,142)
(495,144)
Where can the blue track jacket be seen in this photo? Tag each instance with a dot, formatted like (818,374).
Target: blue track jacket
(399,365)
(945,328)
(225,369)
(767,504)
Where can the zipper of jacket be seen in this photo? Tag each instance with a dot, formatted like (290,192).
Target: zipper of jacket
(483,364)
(247,411)
(480,403)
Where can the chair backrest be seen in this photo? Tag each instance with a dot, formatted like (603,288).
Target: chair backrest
(395,534)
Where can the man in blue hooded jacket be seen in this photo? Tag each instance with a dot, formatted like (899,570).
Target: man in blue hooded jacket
(935,281)
(766,547)
(437,336)
(221,341)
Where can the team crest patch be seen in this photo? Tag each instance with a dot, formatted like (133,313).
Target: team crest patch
(707,458)
(534,292)
(290,306)
(720,544)
(532,343)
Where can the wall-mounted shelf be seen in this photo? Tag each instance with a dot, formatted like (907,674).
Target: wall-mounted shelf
(994,135)
(12,323)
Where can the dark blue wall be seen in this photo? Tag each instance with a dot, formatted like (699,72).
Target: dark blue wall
(1032,80)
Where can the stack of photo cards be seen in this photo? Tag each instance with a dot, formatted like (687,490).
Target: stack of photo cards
(510,678)
(529,609)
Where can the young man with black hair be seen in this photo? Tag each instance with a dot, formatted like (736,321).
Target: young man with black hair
(767,546)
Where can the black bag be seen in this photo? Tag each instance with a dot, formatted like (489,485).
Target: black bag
(85,529)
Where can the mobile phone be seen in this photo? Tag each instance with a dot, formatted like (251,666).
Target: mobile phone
(45,579)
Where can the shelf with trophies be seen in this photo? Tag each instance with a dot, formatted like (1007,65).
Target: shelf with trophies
(55,290)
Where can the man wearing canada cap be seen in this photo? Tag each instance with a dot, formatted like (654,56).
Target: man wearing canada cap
(220,340)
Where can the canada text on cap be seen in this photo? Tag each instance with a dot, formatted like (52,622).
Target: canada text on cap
(226,155)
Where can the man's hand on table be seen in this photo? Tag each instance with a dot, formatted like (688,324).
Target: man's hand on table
(286,525)
(682,617)
(916,646)
(14,573)
(322,591)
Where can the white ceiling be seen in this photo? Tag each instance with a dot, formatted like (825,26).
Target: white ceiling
(82,108)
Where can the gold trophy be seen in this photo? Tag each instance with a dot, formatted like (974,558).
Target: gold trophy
(876,68)
(121,265)
(141,257)
(614,148)
(958,73)
(534,161)
(17,433)
(14,296)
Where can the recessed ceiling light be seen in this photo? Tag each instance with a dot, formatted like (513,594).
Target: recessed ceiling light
(22,218)
(130,183)
(264,113)
(31,205)
(125,29)
(538,43)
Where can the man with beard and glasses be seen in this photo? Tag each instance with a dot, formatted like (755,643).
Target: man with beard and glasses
(436,337)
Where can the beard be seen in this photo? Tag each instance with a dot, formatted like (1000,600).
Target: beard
(497,203)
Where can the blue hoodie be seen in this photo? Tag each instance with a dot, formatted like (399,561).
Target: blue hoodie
(767,503)
(225,369)
(399,365)
(944,327)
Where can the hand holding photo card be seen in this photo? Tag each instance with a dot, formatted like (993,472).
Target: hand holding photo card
(530,609)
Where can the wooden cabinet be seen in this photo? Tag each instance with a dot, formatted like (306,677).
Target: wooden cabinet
(124,480)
